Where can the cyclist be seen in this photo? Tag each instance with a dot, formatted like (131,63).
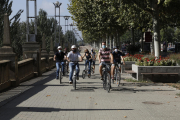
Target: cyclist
(74,57)
(88,61)
(67,63)
(105,56)
(93,58)
(117,55)
(59,57)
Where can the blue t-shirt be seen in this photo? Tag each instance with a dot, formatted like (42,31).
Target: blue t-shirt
(117,56)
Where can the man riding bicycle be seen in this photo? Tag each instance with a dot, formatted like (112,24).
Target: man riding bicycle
(88,61)
(105,56)
(73,57)
(93,58)
(59,57)
(117,55)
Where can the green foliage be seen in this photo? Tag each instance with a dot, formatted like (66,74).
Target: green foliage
(167,34)
(16,40)
(175,57)
(132,49)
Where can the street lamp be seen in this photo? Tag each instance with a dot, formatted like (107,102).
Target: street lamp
(66,18)
(71,26)
(57,5)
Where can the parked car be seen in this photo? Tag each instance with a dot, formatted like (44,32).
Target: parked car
(171,49)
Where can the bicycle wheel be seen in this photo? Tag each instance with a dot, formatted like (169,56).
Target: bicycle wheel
(65,71)
(83,74)
(74,81)
(60,76)
(108,82)
(92,70)
(115,73)
(118,78)
(104,79)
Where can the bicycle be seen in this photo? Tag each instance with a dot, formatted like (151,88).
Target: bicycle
(92,69)
(74,76)
(85,72)
(106,77)
(60,73)
(65,69)
(117,74)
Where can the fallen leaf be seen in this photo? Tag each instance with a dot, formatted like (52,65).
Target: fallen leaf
(168,102)
(89,97)
(176,97)
(95,103)
(77,97)
(125,116)
(48,95)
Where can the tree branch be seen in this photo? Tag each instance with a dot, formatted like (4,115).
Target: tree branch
(161,4)
(142,7)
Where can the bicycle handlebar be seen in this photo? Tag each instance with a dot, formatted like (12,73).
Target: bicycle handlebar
(74,61)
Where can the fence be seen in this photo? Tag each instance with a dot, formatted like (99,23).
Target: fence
(26,70)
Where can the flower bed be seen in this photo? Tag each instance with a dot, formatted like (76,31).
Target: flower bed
(141,60)
(156,62)
(135,57)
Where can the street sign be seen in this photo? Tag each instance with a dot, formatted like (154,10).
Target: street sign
(148,37)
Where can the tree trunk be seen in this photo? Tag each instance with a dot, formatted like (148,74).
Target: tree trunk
(106,40)
(132,30)
(142,44)
(156,30)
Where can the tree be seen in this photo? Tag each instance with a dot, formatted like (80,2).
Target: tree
(163,12)
(5,7)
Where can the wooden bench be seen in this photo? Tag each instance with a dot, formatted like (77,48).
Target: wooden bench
(157,74)
(129,71)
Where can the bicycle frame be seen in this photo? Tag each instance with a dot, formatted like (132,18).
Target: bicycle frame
(106,82)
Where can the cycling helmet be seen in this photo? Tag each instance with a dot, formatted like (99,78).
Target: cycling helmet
(59,47)
(73,46)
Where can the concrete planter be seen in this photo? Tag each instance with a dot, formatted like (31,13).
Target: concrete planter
(128,66)
(157,69)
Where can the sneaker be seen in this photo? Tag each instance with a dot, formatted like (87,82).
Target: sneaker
(57,78)
(113,78)
(88,75)
(70,82)
(102,78)
(77,78)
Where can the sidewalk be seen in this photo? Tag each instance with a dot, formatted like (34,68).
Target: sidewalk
(43,98)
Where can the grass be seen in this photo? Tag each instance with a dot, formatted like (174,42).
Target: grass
(175,85)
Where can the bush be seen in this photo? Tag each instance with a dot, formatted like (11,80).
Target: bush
(175,57)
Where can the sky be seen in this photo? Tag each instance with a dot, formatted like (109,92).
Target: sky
(46,5)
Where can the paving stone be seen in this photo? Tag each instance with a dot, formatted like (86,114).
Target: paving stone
(43,98)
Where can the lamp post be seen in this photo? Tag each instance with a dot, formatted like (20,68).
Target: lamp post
(66,18)
(57,5)
(71,26)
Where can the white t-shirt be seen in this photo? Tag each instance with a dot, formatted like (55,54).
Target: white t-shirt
(74,56)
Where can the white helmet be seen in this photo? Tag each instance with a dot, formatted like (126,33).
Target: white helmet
(73,46)
(59,47)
